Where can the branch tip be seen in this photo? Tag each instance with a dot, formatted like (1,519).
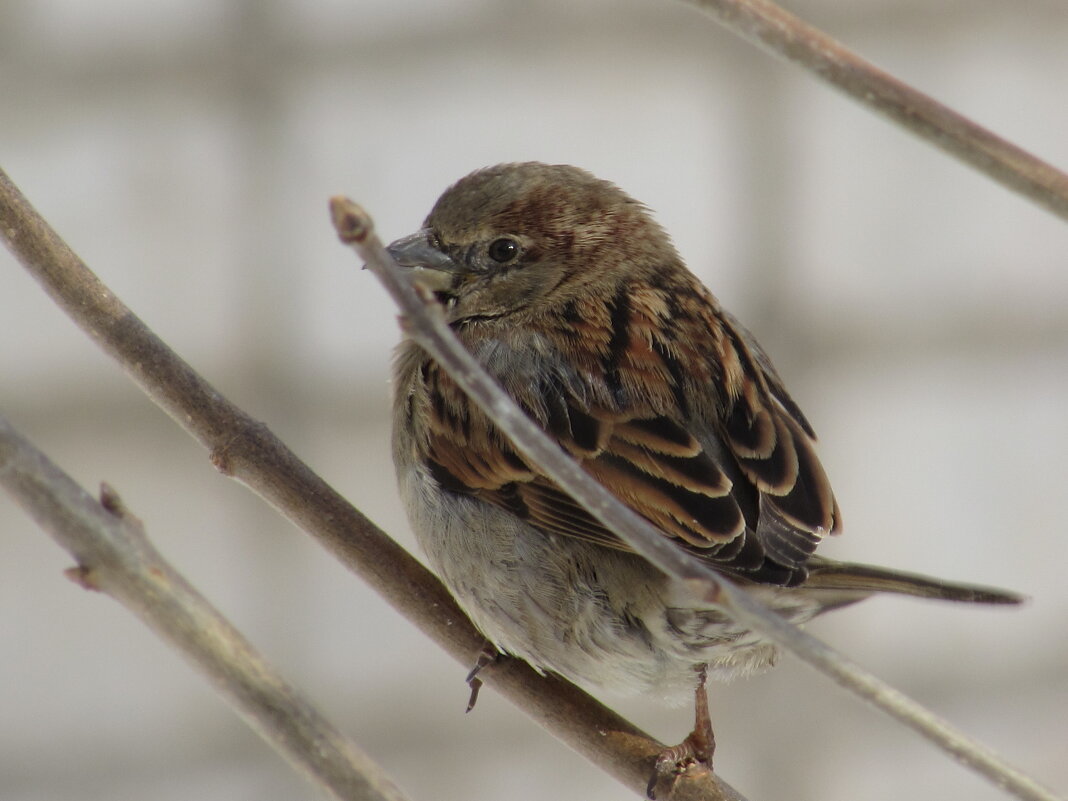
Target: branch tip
(352,223)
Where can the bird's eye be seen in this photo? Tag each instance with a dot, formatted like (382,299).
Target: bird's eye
(502,250)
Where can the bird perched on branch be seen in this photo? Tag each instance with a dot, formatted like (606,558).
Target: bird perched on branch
(571,296)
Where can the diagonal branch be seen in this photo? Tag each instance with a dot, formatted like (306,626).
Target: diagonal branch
(245,449)
(425,324)
(115,557)
(770,27)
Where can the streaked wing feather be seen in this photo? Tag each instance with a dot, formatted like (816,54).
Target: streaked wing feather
(757,505)
(552,510)
(775,448)
(653,465)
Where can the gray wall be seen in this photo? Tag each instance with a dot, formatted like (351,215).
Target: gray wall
(917,311)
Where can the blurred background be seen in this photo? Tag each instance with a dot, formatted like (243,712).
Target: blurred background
(186,150)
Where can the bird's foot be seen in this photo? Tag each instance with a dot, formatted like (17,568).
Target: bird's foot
(692,754)
(489,655)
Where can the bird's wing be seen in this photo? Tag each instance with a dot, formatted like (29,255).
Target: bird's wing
(774,446)
(745,492)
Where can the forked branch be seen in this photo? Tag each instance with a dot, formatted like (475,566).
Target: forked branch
(115,557)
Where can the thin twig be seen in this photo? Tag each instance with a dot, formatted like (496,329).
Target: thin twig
(115,557)
(425,324)
(770,27)
(244,448)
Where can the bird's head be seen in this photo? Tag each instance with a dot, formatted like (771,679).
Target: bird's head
(523,237)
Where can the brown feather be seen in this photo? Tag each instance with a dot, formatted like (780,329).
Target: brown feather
(635,370)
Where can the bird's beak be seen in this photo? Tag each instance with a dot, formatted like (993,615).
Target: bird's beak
(428,265)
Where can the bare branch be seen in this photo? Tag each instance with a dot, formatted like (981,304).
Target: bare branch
(244,448)
(425,324)
(770,27)
(115,557)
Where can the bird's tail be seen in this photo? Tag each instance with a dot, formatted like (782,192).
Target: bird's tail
(848,578)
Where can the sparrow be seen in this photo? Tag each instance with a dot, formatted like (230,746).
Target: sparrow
(575,300)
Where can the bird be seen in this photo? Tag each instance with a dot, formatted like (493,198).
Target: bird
(574,299)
